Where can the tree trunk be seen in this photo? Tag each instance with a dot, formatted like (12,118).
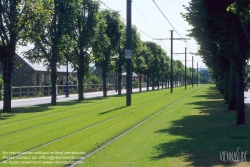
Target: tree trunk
(158,82)
(7,72)
(148,81)
(119,79)
(240,49)
(153,85)
(162,81)
(53,78)
(104,85)
(80,83)
(240,97)
(166,81)
(232,87)
(80,72)
(140,82)
(226,87)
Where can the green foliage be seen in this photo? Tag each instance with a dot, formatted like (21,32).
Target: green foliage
(93,79)
(39,94)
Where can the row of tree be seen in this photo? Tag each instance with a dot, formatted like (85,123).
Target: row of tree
(75,31)
(222,29)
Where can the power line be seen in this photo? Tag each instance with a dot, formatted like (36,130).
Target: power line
(149,24)
(125,20)
(172,25)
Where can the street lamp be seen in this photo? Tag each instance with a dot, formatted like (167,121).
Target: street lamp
(67,78)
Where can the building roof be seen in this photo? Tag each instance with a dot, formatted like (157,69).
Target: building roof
(134,75)
(20,50)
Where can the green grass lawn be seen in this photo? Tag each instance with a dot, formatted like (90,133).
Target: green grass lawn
(190,132)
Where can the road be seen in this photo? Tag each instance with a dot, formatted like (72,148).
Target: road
(61,98)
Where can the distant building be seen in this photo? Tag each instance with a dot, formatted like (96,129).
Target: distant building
(33,74)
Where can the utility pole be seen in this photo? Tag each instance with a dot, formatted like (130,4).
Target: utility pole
(171,64)
(192,71)
(128,54)
(185,65)
(185,68)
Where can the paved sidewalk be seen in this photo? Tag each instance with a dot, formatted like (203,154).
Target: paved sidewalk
(61,98)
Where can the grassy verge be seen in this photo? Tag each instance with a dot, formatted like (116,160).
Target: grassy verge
(191,133)
(71,126)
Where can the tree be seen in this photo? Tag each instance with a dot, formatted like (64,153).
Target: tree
(179,70)
(110,31)
(154,64)
(50,34)
(139,63)
(222,39)
(83,37)
(242,10)
(148,56)
(15,19)
(121,58)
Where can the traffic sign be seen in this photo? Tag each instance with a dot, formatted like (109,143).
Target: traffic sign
(128,54)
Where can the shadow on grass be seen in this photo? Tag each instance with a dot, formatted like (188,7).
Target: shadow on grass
(46,107)
(106,112)
(4,116)
(205,135)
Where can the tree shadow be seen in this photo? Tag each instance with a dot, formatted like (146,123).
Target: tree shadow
(205,135)
(4,116)
(106,112)
(46,107)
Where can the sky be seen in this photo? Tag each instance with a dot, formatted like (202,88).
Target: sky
(153,25)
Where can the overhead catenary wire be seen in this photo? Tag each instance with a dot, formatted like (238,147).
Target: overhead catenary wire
(168,48)
(160,42)
(172,26)
(125,20)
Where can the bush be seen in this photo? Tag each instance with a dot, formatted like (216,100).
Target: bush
(93,79)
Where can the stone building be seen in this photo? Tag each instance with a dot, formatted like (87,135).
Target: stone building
(26,73)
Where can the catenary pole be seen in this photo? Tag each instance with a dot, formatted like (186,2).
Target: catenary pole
(185,68)
(128,54)
(192,71)
(171,64)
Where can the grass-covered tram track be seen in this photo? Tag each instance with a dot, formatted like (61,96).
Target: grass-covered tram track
(68,136)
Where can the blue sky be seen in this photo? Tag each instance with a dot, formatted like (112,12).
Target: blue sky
(147,17)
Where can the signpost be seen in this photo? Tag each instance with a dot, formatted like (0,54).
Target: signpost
(128,54)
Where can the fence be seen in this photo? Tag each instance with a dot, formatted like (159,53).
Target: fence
(39,91)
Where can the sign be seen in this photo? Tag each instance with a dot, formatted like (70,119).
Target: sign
(128,54)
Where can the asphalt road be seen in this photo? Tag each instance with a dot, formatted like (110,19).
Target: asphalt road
(61,98)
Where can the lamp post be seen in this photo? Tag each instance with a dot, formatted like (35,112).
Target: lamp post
(116,83)
(67,78)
